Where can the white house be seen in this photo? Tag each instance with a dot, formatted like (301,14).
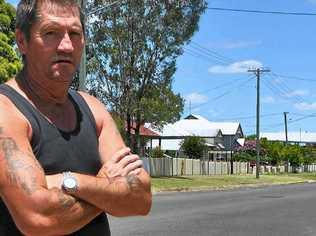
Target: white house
(231,131)
(218,135)
(172,135)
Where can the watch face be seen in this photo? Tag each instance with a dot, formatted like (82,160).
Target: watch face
(70,183)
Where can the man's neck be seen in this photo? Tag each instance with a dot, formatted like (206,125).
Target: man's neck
(43,92)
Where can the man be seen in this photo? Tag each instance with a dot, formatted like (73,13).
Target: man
(63,163)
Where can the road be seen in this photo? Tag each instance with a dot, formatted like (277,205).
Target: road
(288,210)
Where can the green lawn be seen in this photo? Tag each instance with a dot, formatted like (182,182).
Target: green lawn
(183,183)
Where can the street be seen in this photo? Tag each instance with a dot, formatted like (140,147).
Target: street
(276,210)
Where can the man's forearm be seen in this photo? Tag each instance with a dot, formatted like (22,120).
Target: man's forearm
(123,197)
(65,213)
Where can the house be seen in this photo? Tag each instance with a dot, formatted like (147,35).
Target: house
(232,133)
(171,136)
(223,136)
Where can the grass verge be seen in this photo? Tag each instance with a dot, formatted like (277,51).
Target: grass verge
(194,183)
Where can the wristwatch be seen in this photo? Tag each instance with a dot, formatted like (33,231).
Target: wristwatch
(70,183)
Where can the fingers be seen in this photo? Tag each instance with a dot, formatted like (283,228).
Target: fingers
(120,154)
(128,159)
(133,166)
(135,172)
(122,163)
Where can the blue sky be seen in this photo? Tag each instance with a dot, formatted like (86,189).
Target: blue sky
(212,73)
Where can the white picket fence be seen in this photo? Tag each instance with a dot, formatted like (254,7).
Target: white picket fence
(180,166)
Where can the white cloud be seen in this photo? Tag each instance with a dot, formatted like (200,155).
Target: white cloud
(304,106)
(237,67)
(268,100)
(196,98)
(297,93)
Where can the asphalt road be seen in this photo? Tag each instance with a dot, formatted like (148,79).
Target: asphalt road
(288,210)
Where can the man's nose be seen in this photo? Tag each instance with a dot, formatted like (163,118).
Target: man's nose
(65,44)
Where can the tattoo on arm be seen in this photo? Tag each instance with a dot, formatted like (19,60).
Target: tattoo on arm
(133,182)
(19,172)
(66,201)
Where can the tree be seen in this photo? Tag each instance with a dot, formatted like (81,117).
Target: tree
(132,50)
(275,151)
(9,61)
(248,152)
(193,147)
(251,137)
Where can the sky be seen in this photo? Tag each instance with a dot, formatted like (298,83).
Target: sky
(212,74)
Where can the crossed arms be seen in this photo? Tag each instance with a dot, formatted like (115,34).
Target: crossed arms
(36,202)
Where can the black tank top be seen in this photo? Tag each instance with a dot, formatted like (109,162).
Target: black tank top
(59,151)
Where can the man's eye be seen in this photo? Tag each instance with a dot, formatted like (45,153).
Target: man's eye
(75,33)
(50,33)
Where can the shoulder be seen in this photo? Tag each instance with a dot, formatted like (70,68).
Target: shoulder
(99,111)
(12,120)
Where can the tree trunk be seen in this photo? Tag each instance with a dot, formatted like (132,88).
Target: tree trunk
(129,129)
(137,121)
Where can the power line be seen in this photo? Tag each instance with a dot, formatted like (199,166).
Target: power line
(303,118)
(197,50)
(262,12)
(95,10)
(227,84)
(293,77)
(249,117)
(291,121)
(282,92)
(285,90)
(224,94)
(201,55)
(212,52)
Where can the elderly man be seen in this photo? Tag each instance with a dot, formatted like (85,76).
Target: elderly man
(63,163)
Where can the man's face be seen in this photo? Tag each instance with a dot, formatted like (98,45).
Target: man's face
(56,43)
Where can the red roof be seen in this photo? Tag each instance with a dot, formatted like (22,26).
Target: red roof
(143,131)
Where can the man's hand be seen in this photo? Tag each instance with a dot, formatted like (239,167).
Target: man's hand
(121,164)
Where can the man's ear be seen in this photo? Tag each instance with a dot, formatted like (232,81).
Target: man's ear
(21,41)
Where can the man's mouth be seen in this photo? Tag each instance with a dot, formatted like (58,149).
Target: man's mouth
(62,59)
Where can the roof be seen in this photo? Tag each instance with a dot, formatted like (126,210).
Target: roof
(143,130)
(195,127)
(292,136)
(227,128)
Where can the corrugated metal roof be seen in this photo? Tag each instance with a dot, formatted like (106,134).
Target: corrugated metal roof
(195,127)
(227,128)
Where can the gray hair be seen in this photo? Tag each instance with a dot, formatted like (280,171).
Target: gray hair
(27,13)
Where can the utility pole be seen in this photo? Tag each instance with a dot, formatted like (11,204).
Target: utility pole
(258,72)
(83,64)
(286,139)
